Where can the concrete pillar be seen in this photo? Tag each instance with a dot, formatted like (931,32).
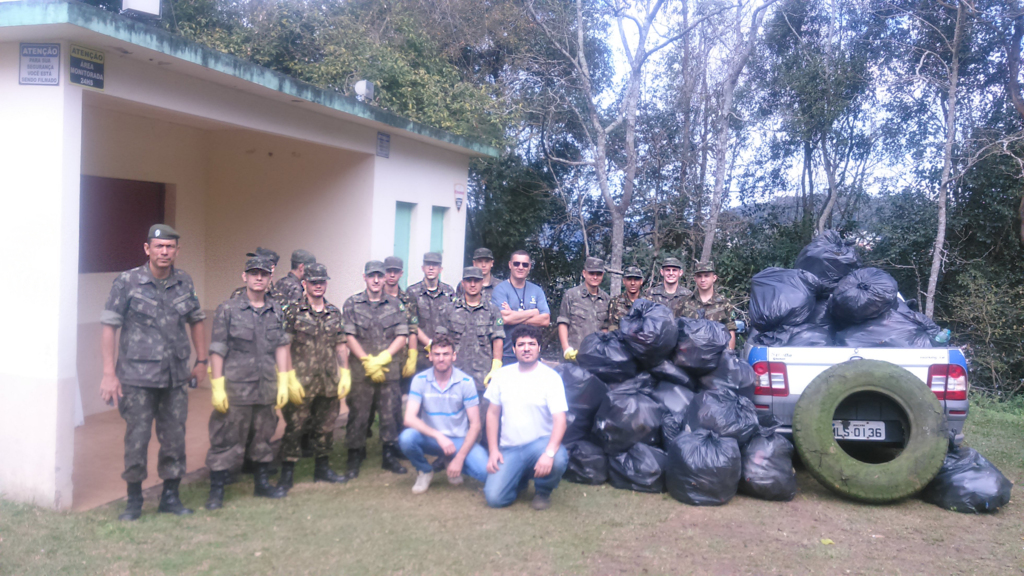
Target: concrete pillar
(40,158)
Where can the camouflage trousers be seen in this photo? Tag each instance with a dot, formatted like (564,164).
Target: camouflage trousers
(229,436)
(139,406)
(316,416)
(364,395)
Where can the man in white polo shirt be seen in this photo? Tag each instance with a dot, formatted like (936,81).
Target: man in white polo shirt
(443,418)
(528,399)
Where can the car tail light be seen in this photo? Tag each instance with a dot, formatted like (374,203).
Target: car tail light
(772,379)
(948,381)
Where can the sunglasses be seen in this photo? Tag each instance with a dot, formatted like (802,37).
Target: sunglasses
(521,264)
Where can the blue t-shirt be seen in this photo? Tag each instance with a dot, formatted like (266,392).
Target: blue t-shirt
(531,297)
(444,409)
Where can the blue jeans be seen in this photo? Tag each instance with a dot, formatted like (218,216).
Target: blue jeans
(414,445)
(503,487)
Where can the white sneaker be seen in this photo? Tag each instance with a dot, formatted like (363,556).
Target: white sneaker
(454,481)
(422,482)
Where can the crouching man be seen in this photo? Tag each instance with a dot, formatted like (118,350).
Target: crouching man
(443,418)
(528,400)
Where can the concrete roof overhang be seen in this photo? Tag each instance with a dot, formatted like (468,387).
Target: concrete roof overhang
(30,20)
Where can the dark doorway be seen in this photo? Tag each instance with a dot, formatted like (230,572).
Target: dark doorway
(115,216)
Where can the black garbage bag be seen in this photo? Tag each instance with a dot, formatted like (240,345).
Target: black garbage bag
(703,468)
(588,464)
(642,382)
(641,469)
(768,466)
(604,355)
(829,258)
(862,295)
(649,332)
(723,412)
(627,416)
(967,482)
(731,373)
(782,297)
(900,328)
(802,335)
(674,400)
(700,345)
(584,393)
(667,371)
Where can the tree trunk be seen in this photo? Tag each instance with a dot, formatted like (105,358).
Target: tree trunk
(947,163)
(618,238)
(833,188)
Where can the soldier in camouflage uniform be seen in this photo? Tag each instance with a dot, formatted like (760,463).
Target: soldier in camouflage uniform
(394,268)
(152,305)
(249,360)
(584,309)
(377,330)
(320,358)
(475,326)
(267,254)
(483,259)
(619,307)
(669,292)
(706,303)
(289,288)
(431,297)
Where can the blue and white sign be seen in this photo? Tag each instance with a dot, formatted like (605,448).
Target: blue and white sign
(39,65)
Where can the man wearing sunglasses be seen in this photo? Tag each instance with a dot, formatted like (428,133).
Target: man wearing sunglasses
(520,301)
(584,309)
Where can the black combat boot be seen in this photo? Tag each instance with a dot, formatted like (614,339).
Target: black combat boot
(217,480)
(322,472)
(287,479)
(440,463)
(355,460)
(169,501)
(133,509)
(390,461)
(250,467)
(264,488)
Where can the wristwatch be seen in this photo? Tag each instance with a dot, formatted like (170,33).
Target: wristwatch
(549,453)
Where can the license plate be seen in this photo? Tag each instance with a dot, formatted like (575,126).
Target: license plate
(858,430)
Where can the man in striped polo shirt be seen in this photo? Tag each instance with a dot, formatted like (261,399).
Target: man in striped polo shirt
(443,418)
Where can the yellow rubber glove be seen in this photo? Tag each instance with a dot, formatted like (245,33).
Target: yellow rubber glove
(220,397)
(282,389)
(427,347)
(374,370)
(295,390)
(345,383)
(383,359)
(378,377)
(569,354)
(410,364)
(495,364)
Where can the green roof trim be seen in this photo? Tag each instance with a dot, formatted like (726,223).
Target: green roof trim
(37,13)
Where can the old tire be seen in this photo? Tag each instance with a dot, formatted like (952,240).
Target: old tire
(909,472)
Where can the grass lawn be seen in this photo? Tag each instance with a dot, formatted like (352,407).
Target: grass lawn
(374,525)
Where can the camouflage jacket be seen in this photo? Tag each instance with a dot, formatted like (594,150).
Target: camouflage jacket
(585,313)
(247,339)
(375,325)
(486,292)
(718,309)
(673,301)
(154,344)
(315,340)
(430,303)
(473,329)
(288,290)
(618,309)
(412,316)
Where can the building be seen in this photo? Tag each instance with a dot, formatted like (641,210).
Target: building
(110,125)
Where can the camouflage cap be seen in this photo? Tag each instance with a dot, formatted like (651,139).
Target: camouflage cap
(301,256)
(257,263)
(471,272)
(632,272)
(162,231)
(394,263)
(672,263)
(432,258)
(704,267)
(316,272)
(265,253)
(483,254)
(373,267)
(593,264)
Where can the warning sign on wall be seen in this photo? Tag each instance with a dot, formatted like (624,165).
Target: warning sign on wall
(87,67)
(40,65)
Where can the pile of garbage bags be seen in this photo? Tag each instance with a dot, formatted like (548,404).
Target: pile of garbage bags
(829,300)
(662,405)
(968,483)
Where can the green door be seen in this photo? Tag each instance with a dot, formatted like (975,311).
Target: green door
(437,229)
(403,231)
